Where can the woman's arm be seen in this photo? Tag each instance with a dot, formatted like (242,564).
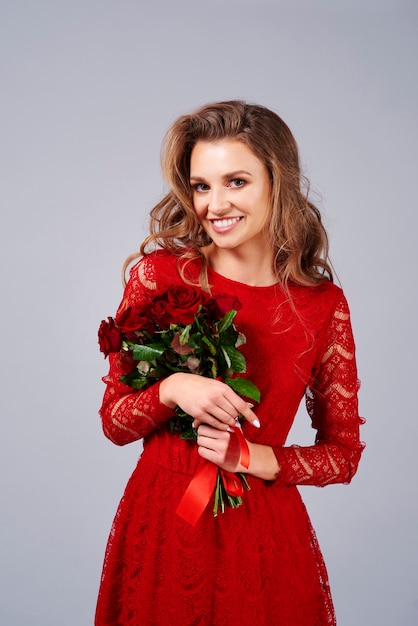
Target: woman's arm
(333,407)
(332,404)
(128,415)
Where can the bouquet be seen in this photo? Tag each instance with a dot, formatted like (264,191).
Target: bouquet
(183,330)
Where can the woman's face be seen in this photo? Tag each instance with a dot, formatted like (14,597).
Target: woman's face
(231,194)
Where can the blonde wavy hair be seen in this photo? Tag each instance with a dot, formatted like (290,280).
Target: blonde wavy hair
(297,234)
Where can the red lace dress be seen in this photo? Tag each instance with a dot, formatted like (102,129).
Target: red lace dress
(260,563)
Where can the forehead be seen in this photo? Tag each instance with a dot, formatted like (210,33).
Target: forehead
(223,154)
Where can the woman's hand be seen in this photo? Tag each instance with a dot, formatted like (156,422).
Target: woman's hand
(214,407)
(223,449)
(220,447)
(208,401)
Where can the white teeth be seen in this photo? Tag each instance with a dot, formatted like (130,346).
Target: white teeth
(226,222)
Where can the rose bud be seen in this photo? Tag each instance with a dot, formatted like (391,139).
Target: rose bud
(110,338)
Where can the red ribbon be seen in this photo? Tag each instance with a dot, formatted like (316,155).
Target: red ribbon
(244,449)
(203,483)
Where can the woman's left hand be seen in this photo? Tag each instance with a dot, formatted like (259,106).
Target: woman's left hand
(220,447)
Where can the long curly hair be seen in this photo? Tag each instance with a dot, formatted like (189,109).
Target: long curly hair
(297,235)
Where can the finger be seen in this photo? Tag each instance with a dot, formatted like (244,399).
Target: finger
(248,414)
(223,418)
(210,420)
(225,409)
(219,447)
(214,440)
(219,413)
(212,433)
(217,443)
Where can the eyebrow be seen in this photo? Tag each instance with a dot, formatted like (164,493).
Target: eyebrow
(228,175)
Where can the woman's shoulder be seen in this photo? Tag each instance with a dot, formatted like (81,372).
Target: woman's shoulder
(160,269)
(325,288)
(321,300)
(328,289)
(152,268)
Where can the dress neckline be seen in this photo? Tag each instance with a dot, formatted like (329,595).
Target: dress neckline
(241,285)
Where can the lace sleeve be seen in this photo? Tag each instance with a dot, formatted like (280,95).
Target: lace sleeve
(332,404)
(129,415)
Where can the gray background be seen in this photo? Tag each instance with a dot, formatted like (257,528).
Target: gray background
(88,89)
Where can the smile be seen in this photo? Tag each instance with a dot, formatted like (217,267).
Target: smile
(229,221)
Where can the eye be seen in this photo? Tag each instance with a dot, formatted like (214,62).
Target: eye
(199,187)
(237,182)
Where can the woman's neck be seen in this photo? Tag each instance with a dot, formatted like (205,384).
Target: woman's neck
(255,269)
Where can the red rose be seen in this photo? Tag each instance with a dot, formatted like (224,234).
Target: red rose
(177,305)
(110,338)
(132,320)
(217,307)
(126,361)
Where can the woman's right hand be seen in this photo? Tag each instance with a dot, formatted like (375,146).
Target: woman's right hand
(207,400)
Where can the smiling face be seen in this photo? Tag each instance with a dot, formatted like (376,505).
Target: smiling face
(231,194)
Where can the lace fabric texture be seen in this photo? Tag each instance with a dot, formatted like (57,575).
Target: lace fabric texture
(331,401)
(261,563)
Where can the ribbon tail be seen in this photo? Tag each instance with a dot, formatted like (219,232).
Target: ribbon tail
(245,451)
(203,484)
(198,493)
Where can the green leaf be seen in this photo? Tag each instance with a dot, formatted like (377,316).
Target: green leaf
(244,387)
(198,322)
(135,383)
(236,360)
(241,340)
(189,435)
(213,371)
(226,321)
(227,359)
(195,340)
(148,352)
(212,348)
(184,337)
(229,337)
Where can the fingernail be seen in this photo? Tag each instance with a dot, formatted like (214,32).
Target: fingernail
(256,423)
(229,429)
(250,405)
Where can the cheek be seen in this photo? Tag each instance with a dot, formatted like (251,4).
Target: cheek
(198,206)
(264,204)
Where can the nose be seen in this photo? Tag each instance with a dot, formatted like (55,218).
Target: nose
(218,201)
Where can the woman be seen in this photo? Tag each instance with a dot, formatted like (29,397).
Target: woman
(235,221)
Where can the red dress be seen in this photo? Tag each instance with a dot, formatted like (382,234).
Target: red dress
(260,563)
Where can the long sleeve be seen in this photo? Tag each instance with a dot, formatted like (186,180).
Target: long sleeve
(129,415)
(332,404)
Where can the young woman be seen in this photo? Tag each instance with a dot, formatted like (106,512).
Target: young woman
(236,221)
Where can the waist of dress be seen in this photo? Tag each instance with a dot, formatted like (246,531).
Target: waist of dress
(171,452)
